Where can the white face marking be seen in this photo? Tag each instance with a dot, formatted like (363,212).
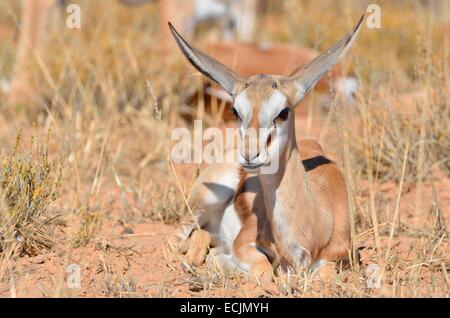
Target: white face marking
(270,109)
(244,108)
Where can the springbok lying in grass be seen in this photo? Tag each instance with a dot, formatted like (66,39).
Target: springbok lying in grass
(296,216)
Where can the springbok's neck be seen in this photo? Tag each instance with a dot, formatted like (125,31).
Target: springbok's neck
(289,201)
(289,186)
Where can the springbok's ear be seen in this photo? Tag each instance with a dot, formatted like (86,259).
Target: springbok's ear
(308,75)
(208,66)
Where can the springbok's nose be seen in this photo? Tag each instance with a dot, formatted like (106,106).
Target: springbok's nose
(251,156)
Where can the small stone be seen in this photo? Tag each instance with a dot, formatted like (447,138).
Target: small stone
(127,230)
(40,259)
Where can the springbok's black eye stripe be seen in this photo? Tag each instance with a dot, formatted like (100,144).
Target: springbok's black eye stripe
(235,113)
(284,114)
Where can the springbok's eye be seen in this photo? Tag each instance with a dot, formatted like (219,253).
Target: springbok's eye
(283,115)
(235,113)
(274,85)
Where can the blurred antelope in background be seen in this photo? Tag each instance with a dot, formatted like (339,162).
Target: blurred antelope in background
(295,216)
(249,59)
(236,18)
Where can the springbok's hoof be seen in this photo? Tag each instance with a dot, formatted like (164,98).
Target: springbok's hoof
(198,247)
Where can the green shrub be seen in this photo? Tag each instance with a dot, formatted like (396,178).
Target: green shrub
(29,183)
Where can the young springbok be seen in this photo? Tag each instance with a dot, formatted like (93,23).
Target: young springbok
(296,216)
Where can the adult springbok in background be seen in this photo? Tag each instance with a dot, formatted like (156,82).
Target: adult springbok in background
(234,17)
(296,216)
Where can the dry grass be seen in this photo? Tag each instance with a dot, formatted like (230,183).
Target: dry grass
(29,184)
(118,187)
(392,121)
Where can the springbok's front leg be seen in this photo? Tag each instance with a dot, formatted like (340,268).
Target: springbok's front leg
(196,246)
(211,193)
(247,255)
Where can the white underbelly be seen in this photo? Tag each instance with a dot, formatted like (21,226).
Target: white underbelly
(230,226)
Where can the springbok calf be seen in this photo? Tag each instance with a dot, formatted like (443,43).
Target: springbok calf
(296,216)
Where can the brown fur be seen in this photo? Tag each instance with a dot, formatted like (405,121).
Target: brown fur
(326,180)
(297,215)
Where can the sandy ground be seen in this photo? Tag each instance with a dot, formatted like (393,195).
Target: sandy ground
(133,259)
